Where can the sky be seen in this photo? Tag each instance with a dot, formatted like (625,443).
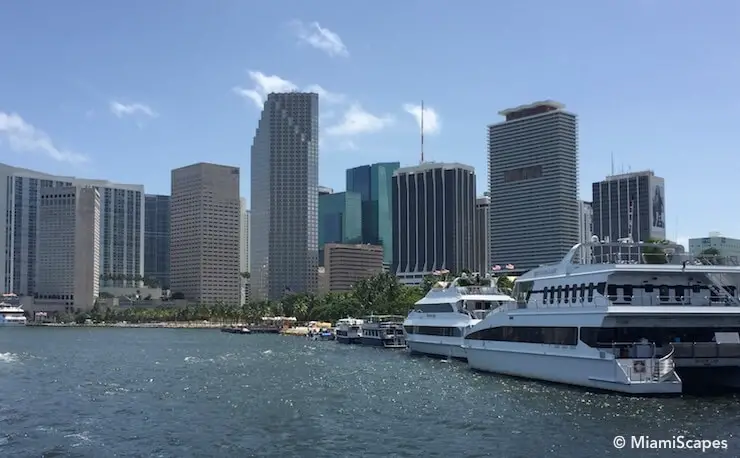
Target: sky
(127,91)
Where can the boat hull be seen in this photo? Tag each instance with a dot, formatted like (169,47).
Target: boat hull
(349,340)
(586,372)
(12,323)
(442,349)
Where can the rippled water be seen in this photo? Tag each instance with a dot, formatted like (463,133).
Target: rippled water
(202,393)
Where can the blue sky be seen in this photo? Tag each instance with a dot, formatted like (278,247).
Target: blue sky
(126,91)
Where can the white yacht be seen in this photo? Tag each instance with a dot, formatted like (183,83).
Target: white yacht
(437,323)
(637,318)
(349,330)
(11,314)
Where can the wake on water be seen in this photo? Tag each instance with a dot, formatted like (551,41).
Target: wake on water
(8,357)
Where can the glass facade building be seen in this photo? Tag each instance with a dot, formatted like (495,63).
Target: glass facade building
(340,219)
(157,238)
(373,183)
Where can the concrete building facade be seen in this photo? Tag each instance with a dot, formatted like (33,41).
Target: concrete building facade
(204,241)
(121,227)
(244,261)
(480,250)
(728,247)
(586,227)
(433,216)
(348,264)
(373,182)
(68,248)
(157,238)
(533,185)
(285,196)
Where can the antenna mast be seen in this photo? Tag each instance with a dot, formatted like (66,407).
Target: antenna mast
(422,131)
(612,163)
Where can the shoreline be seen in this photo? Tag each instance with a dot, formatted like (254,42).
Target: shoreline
(160,325)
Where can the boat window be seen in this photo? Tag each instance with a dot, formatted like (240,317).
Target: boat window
(680,293)
(434,308)
(442,331)
(522,290)
(664,293)
(552,295)
(544,294)
(582,291)
(591,292)
(566,289)
(611,291)
(627,292)
(573,292)
(560,293)
(601,288)
(607,337)
(529,334)
(696,288)
(648,288)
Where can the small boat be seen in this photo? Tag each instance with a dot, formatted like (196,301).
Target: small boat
(349,330)
(236,330)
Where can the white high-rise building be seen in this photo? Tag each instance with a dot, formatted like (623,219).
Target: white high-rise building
(204,233)
(121,227)
(285,196)
(585,227)
(68,248)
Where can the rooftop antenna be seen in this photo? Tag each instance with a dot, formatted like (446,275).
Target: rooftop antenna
(422,131)
(612,163)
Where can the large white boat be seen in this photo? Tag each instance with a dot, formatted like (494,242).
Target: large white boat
(629,317)
(10,313)
(349,330)
(437,323)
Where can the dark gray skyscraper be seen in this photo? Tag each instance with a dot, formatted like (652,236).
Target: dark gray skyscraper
(433,219)
(285,196)
(619,195)
(533,177)
(157,238)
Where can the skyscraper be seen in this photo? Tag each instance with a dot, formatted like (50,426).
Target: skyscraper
(480,250)
(121,227)
(69,247)
(204,240)
(373,183)
(244,225)
(433,219)
(157,238)
(641,194)
(285,196)
(340,220)
(533,184)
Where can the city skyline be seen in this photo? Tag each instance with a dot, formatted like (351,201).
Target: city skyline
(113,102)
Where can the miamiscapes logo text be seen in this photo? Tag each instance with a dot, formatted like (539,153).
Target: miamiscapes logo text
(675,443)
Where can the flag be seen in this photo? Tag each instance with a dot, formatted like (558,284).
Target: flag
(510,266)
(436,273)
(496,268)
(445,271)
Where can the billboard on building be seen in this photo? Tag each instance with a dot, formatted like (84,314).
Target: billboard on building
(657,208)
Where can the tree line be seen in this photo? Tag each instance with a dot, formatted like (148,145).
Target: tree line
(381,294)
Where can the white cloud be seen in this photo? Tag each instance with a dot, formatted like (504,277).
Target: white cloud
(432,122)
(265,84)
(321,38)
(358,121)
(25,138)
(682,240)
(120,109)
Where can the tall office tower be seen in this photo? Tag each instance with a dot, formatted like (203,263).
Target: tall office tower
(244,223)
(204,235)
(69,247)
(121,227)
(157,238)
(533,184)
(121,231)
(433,220)
(347,264)
(641,194)
(373,183)
(285,196)
(340,220)
(480,250)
